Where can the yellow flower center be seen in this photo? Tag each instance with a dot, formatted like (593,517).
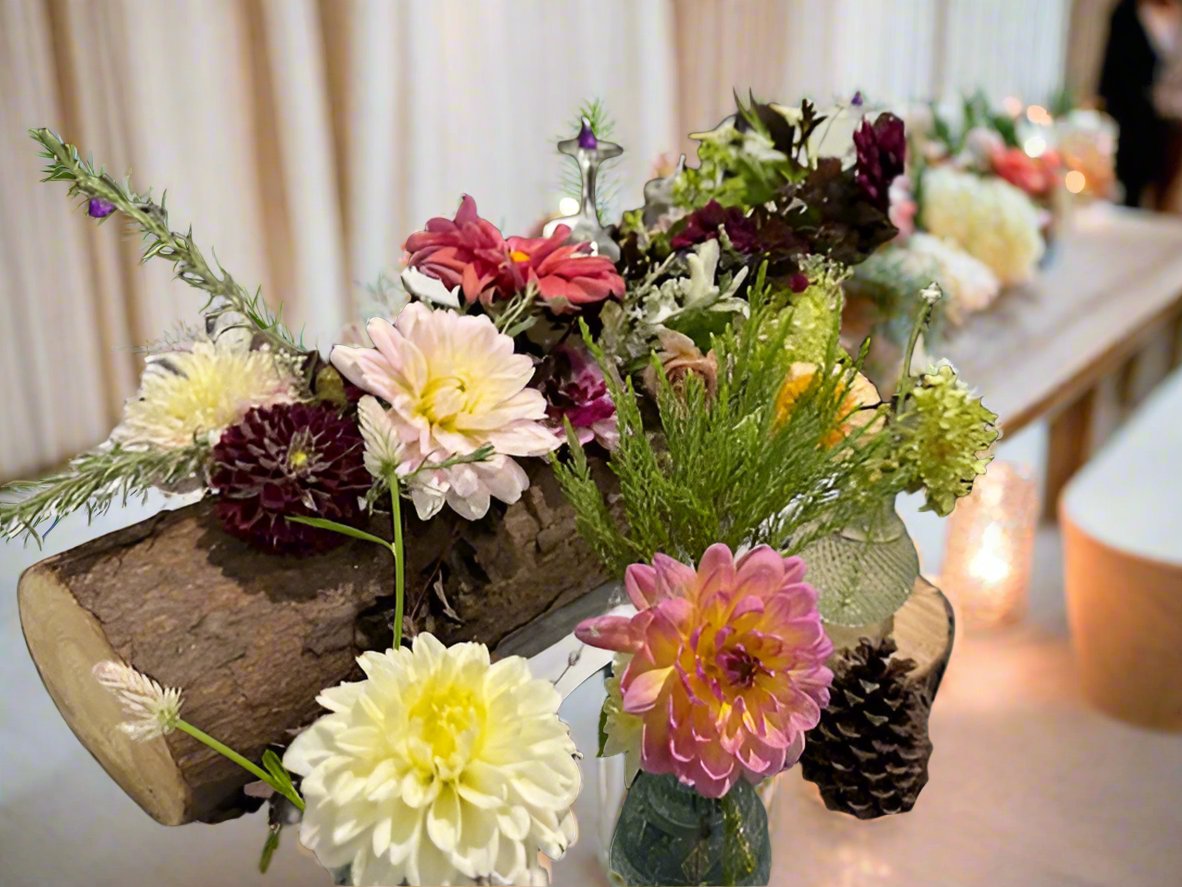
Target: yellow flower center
(443,398)
(447,720)
(519,256)
(298,458)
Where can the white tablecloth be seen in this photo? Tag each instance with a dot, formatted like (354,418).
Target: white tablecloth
(1028,785)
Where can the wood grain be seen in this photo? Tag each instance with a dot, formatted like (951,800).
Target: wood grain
(251,639)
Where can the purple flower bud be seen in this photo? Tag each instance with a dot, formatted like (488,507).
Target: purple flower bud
(98,208)
(587,140)
(798,282)
(856,101)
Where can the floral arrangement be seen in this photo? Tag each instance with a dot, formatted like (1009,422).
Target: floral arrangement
(694,347)
(976,210)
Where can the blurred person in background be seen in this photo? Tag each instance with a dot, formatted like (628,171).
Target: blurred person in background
(1143,43)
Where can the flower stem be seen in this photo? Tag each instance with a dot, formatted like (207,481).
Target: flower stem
(397,550)
(225,751)
(906,380)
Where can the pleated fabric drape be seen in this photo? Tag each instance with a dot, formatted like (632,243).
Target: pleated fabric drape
(304,139)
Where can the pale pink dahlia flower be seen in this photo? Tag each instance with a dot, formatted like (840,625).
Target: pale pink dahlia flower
(728,664)
(454,385)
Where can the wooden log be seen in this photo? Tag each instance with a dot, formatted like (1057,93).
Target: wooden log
(923,631)
(252,638)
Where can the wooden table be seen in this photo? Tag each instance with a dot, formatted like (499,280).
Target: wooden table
(1114,282)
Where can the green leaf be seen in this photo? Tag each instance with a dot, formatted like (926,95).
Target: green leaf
(269,848)
(281,779)
(224,295)
(602,732)
(343,529)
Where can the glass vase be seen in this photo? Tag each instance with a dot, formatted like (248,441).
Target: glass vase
(863,574)
(669,834)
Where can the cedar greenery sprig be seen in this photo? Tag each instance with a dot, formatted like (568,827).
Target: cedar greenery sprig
(226,297)
(93,481)
(728,468)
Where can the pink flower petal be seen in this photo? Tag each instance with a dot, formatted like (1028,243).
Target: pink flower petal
(716,571)
(609,633)
(674,578)
(640,581)
(644,689)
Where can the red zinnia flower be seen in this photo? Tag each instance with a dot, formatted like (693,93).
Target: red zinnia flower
(561,271)
(467,251)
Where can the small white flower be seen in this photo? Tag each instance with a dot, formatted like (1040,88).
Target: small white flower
(384,452)
(430,289)
(152,710)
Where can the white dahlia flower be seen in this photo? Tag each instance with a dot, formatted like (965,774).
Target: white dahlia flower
(438,768)
(987,217)
(197,394)
(454,385)
(968,284)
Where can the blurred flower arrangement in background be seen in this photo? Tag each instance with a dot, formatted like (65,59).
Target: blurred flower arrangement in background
(986,191)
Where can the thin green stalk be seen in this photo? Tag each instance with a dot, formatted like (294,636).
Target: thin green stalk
(225,751)
(923,316)
(397,549)
(224,294)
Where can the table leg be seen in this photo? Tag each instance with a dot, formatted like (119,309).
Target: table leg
(1068,447)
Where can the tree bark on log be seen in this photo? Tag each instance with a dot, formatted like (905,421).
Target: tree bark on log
(251,638)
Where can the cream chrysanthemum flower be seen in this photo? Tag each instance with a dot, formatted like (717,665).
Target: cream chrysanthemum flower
(454,385)
(438,768)
(152,710)
(968,282)
(199,393)
(987,217)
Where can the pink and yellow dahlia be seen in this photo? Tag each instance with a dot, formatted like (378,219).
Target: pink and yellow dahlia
(727,667)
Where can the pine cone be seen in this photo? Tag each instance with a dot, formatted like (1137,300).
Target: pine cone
(869,754)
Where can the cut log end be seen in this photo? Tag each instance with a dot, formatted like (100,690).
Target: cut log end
(66,641)
(923,631)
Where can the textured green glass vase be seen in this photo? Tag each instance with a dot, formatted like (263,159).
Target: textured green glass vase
(669,834)
(864,573)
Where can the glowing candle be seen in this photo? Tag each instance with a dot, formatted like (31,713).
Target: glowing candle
(990,547)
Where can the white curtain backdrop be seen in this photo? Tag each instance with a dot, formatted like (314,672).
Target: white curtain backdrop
(306,138)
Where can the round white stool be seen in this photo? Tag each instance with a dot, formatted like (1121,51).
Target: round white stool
(1121,519)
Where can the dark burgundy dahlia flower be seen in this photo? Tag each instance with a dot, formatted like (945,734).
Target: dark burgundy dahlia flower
(287,460)
(882,151)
